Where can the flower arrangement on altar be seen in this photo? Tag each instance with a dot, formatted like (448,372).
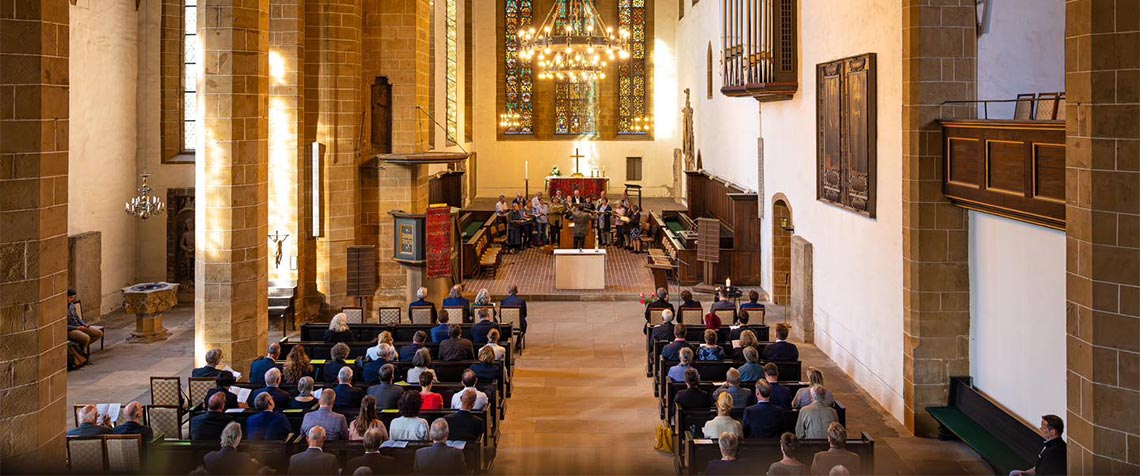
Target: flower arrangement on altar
(648,298)
(555,171)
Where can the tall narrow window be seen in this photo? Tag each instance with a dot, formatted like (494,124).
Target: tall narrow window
(576,107)
(519,77)
(190,72)
(452,73)
(632,72)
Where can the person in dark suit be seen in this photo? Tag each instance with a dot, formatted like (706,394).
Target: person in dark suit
(331,369)
(209,425)
(692,397)
(440,458)
(456,347)
(763,420)
(480,329)
(372,459)
(347,396)
(728,464)
(672,350)
(222,383)
(605,218)
(687,301)
(386,393)
(258,368)
(213,359)
(781,350)
(487,370)
(463,425)
(1052,459)
(338,330)
(89,424)
(753,304)
(281,398)
(421,301)
(314,461)
(133,426)
(513,300)
(373,360)
(781,395)
(439,332)
(269,424)
(228,460)
(456,299)
(409,351)
(662,302)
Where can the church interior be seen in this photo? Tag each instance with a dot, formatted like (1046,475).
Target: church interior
(297,236)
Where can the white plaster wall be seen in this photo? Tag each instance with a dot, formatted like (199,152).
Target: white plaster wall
(501,163)
(858,261)
(1017,294)
(101,162)
(1017,270)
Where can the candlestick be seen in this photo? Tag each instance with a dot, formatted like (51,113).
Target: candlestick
(526,169)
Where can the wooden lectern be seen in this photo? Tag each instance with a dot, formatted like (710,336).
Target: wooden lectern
(566,237)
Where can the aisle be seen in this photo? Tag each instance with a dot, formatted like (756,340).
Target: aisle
(581,402)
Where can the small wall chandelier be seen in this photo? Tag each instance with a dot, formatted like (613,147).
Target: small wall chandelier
(145,205)
(510,120)
(573,43)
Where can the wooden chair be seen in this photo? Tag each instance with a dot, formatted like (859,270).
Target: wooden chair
(355,314)
(1023,111)
(165,420)
(1059,115)
(123,453)
(513,316)
(692,317)
(655,316)
(454,314)
(199,387)
(391,315)
(85,455)
(1046,107)
(421,315)
(727,316)
(491,309)
(166,391)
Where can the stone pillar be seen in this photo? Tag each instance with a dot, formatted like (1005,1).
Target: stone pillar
(333,95)
(802,306)
(33,235)
(939,64)
(1102,58)
(230,311)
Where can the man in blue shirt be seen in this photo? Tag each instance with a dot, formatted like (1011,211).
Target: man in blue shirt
(456,299)
(422,301)
(513,300)
(258,368)
(753,302)
(764,419)
(267,425)
(480,329)
(439,333)
(781,395)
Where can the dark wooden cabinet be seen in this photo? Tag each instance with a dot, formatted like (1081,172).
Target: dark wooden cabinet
(846,126)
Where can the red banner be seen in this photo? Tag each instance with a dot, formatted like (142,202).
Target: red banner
(438,241)
(588,187)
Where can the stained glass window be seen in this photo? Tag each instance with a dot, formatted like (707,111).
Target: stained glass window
(576,107)
(632,73)
(190,75)
(452,72)
(519,76)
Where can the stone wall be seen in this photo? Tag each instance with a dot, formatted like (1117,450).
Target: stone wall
(84,272)
(802,305)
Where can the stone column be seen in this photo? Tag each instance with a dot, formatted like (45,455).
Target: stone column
(939,64)
(230,178)
(33,235)
(1102,59)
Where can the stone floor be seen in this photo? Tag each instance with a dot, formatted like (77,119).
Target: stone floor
(533,271)
(581,402)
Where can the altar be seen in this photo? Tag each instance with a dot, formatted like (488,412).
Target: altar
(579,269)
(589,187)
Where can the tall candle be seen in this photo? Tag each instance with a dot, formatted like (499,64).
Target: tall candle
(526,169)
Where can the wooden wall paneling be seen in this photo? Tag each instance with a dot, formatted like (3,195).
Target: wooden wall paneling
(829,141)
(846,129)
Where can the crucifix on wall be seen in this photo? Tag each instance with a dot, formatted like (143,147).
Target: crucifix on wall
(577,170)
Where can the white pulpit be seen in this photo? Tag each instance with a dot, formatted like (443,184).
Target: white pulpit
(580,269)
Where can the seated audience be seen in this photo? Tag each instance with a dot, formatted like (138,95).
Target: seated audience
(375,358)
(742,319)
(493,344)
(803,395)
(712,321)
(788,465)
(339,360)
(304,399)
(440,458)
(133,413)
(764,419)
(455,299)
(722,303)
(89,424)
(386,393)
(333,424)
(485,325)
(723,422)
(338,330)
(456,347)
(421,362)
(210,370)
(407,352)
(743,397)
(781,350)
(676,373)
(663,331)
(314,461)
(297,365)
(421,301)
(672,350)
(222,383)
(228,460)
(753,303)
(710,350)
(487,370)
(367,421)
(1052,459)
(268,361)
(692,397)
(372,459)
(464,425)
(469,380)
(347,396)
(409,426)
(385,337)
(836,455)
(281,398)
(728,465)
(77,329)
(268,424)
(751,371)
(513,300)
(747,339)
(483,299)
(429,400)
(209,425)
(815,418)
(687,301)
(439,333)
(781,395)
(662,302)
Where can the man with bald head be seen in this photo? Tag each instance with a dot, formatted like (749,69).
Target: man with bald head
(209,425)
(440,458)
(89,424)
(133,414)
(333,425)
(314,460)
(272,379)
(258,368)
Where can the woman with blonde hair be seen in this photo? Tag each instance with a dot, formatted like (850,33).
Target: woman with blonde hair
(338,330)
(747,339)
(723,423)
(297,365)
(366,420)
(803,395)
(493,344)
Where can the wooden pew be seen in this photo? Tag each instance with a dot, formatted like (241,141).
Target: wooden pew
(717,370)
(320,350)
(697,452)
(999,437)
(695,335)
(668,405)
(688,425)
(400,332)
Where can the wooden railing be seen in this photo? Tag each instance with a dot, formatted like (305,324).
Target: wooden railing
(759,38)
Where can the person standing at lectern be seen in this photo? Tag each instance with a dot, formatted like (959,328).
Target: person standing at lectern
(581,221)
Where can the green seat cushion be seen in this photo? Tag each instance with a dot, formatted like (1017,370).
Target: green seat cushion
(674,226)
(471,228)
(998,454)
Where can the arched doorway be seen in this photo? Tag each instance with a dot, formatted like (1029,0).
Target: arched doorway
(782,228)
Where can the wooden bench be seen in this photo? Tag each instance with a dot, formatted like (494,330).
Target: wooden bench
(321,350)
(400,332)
(717,371)
(1004,441)
(694,335)
(697,452)
(669,407)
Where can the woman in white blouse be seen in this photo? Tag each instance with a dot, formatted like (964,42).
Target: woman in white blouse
(409,426)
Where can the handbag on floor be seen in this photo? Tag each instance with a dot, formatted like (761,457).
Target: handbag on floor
(664,440)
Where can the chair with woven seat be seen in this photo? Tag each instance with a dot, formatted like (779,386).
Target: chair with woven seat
(199,387)
(727,316)
(166,391)
(421,315)
(391,315)
(454,313)
(692,317)
(85,455)
(123,453)
(165,420)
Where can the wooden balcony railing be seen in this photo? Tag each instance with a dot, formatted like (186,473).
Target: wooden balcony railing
(759,38)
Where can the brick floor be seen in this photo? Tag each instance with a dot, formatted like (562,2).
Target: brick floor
(532,271)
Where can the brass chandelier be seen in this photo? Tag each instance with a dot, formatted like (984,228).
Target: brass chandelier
(573,43)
